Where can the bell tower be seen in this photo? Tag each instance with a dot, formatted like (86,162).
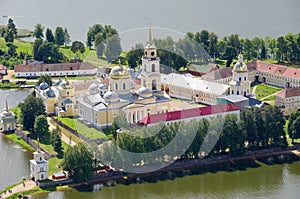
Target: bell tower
(150,75)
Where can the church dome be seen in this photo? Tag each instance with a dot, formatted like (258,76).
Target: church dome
(43,86)
(110,95)
(50,93)
(93,87)
(57,83)
(103,87)
(144,92)
(240,66)
(119,70)
(65,84)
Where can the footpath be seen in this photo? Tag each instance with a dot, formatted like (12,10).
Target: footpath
(27,185)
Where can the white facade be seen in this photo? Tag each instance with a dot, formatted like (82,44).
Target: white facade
(240,84)
(150,76)
(38,166)
(57,73)
(190,88)
(7,120)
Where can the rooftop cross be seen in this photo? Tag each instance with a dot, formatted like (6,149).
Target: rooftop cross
(150,34)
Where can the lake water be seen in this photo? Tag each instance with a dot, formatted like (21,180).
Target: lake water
(168,17)
(276,181)
(14,160)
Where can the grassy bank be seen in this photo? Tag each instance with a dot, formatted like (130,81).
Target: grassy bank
(16,139)
(84,130)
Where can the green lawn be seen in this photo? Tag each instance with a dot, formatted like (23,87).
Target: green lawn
(68,134)
(84,130)
(53,166)
(23,46)
(263,91)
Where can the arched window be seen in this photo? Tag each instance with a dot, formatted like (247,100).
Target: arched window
(145,68)
(154,84)
(144,83)
(124,86)
(116,86)
(153,67)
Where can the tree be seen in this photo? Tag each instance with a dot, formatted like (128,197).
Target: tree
(282,49)
(12,50)
(9,37)
(41,127)
(59,36)
(113,48)
(30,109)
(78,162)
(56,141)
(295,129)
(67,37)
(49,53)
(77,47)
(291,125)
(11,26)
(45,78)
(49,35)
(99,44)
(38,31)
(97,28)
(36,45)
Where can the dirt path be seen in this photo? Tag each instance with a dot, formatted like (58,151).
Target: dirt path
(63,136)
(268,96)
(28,184)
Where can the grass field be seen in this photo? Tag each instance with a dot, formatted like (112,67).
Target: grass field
(84,130)
(53,166)
(263,91)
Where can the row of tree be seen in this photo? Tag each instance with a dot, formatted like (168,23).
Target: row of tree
(203,47)
(256,129)
(106,41)
(60,37)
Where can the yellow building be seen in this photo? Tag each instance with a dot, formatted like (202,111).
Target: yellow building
(103,102)
(58,99)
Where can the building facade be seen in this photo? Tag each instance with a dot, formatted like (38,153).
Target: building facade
(276,75)
(193,89)
(55,70)
(8,120)
(103,102)
(240,83)
(58,99)
(38,166)
(187,115)
(288,100)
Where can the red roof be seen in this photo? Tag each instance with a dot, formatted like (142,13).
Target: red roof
(136,81)
(189,113)
(289,92)
(2,67)
(275,69)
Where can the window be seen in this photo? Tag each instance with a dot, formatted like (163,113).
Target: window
(153,67)
(245,78)
(232,92)
(124,86)
(116,86)
(154,84)
(68,92)
(240,78)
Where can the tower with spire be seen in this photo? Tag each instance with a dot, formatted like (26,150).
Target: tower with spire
(150,75)
(7,120)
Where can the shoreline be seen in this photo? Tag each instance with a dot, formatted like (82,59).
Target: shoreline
(194,164)
(179,168)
